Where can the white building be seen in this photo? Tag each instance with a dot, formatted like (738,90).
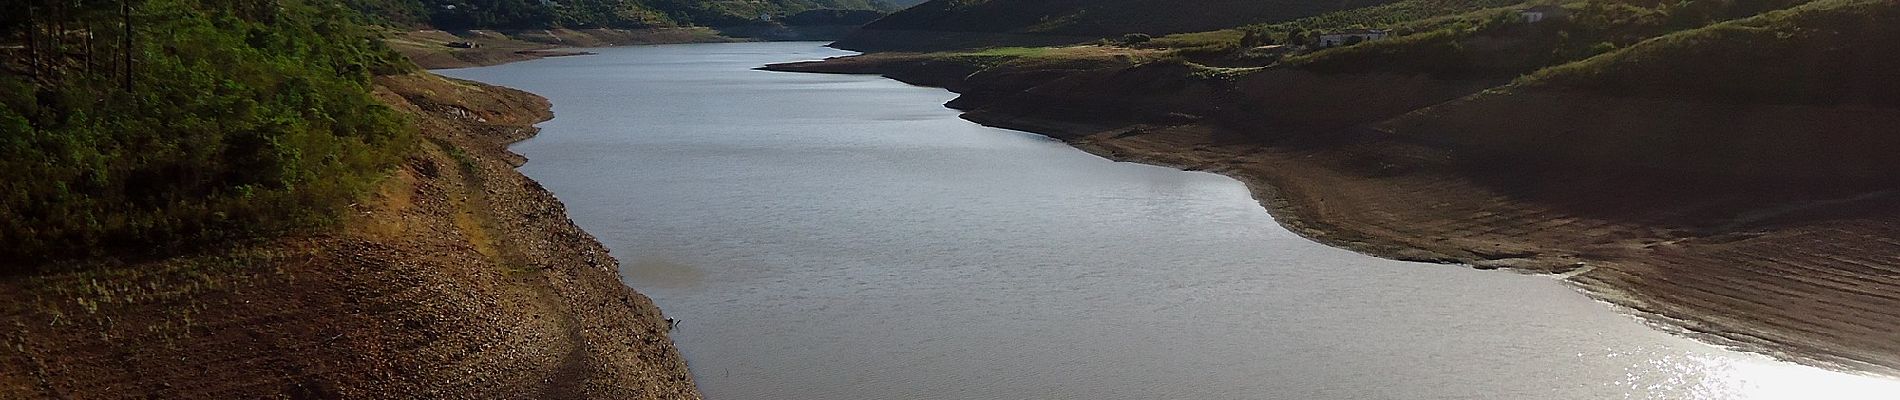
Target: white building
(1540,13)
(1341,38)
(1532,17)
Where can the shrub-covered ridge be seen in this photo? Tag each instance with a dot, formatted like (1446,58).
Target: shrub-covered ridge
(220,121)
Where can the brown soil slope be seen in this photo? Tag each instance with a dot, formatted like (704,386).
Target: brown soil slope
(460,278)
(1791,265)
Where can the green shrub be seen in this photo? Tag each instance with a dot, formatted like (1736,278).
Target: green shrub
(240,121)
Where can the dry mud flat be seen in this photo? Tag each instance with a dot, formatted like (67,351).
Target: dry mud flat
(459,278)
(1807,269)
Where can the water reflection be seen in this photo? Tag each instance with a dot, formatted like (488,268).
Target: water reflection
(660,271)
(1751,377)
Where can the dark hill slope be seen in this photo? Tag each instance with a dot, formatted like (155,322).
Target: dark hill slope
(1805,93)
(944,24)
(621,14)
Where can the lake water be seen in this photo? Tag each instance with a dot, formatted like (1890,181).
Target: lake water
(847,237)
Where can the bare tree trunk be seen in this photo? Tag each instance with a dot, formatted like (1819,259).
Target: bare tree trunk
(88,26)
(125,13)
(58,38)
(32,41)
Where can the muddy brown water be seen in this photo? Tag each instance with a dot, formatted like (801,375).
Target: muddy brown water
(847,237)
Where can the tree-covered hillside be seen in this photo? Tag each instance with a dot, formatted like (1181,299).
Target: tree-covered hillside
(626,14)
(149,125)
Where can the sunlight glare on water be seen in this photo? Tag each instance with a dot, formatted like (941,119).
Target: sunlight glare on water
(1752,377)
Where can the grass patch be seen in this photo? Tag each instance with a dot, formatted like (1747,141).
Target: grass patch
(1220,38)
(1012,52)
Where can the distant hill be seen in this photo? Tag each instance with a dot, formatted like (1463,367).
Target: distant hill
(623,14)
(943,24)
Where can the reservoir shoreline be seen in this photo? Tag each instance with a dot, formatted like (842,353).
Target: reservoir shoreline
(455,276)
(1326,191)
(647,227)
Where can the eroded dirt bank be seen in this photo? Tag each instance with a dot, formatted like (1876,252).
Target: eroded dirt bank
(460,278)
(1799,265)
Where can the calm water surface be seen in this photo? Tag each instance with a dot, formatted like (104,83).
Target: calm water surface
(847,237)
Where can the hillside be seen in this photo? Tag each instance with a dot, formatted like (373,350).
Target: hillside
(1720,164)
(454,277)
(244,202)
(589,14)
(948,24)
(1802,93)
(118,148)
(586,14)
(464,33)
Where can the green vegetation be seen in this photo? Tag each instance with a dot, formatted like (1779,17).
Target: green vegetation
(1034,58)
(832,17)
(1103,18)
(1010,52)
(1498,43)
(1386,15)
(1221,38)
(1825,53)
(220,121)
(1726,50)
